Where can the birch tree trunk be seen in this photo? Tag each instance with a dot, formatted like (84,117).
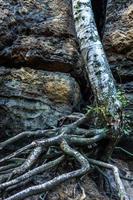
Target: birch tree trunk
(97,66)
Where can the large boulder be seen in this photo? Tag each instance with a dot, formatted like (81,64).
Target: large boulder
(36,36)
(34,99)
(38,33)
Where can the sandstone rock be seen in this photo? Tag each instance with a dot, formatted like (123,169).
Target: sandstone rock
(35,36)
(118,43)
(122,41)
(34,99)
(38,33)
(118,37)
(127,15)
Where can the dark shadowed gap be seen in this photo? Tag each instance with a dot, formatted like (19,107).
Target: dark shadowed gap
(99,9)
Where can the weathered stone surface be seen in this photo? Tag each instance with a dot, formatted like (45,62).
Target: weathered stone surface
(34,99)
(118,37)
(128,88)
(34,36)
(118,43)
(38,33)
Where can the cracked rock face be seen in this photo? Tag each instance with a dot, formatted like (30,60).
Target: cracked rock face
(31,99)
(118,43)
(38,34)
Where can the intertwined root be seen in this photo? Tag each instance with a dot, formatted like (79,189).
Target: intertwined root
(68,142)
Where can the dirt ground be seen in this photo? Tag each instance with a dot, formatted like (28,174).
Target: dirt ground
(85,188)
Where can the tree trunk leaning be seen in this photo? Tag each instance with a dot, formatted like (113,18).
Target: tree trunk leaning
(97,68)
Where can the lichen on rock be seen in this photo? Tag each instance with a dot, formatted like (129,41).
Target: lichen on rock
(35,99)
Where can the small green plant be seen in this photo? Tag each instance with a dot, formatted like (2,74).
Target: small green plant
(122,98)
(100,111)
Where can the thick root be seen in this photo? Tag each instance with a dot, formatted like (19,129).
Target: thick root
(60,139)
(85,167)
(121,190)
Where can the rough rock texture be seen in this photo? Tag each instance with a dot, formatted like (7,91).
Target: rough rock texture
(31,99)
(118,42)
(38,33)
(35,36)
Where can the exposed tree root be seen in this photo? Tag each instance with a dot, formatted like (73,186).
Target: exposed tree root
(125,151)
(32,158)
(66,136)
(121,190)
(85,167)
(32,173)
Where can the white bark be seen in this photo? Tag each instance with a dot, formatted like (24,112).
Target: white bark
(97,67)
